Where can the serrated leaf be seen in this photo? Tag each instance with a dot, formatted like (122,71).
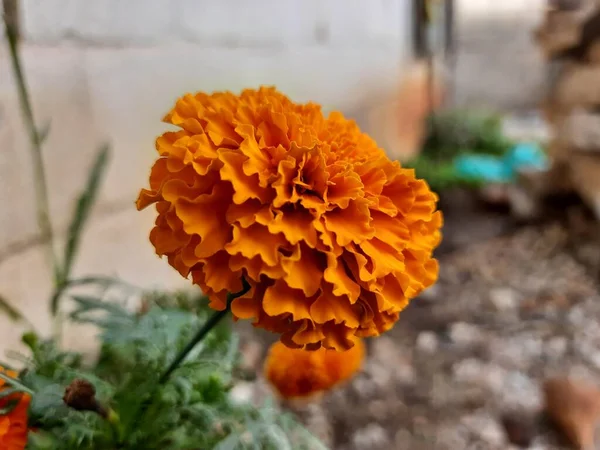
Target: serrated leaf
(48,404)
(278,437)
(229,443)
(9,310)
(83,208)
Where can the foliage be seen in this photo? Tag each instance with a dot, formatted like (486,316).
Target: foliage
(454,133)
(193,410)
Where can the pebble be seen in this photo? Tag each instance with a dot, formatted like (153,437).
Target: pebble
(556,347)
(372,437)
(427,342)
(504,299)
(465,334)
(242,393)
(474,371)
(403,440)
(486,428)
(517,352)
(378,409)
(520,392)
(363,388)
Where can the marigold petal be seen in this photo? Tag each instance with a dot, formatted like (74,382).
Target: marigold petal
(336,274)
(352,224)
(282,299)
(256,241)
(304,270)
(244,187)
(328,307)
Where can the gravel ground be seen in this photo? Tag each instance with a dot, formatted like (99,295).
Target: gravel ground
(464,367)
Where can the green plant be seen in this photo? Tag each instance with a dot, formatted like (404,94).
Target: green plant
(454,133)
(193,410)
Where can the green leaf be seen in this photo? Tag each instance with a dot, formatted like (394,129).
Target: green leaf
(48,403)
(82,212)
(15,383)
(229,443)
(31,340)
(10,310)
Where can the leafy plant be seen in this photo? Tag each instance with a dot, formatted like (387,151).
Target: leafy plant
(193,410)
(454,133)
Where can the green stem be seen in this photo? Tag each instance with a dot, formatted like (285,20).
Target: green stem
(16,384)
(115,424)
(39,178)
(202,332)
(35,139)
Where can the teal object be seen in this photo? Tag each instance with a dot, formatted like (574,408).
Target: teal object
(480,168)
(492,169)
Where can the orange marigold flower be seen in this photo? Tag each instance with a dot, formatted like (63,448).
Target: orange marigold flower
(298,373)
(13,426)
(332,236)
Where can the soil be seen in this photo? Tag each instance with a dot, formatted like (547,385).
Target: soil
(463,368)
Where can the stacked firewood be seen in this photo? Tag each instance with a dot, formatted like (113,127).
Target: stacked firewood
(569,38)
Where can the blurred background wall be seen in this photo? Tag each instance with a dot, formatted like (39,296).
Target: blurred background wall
(109,69)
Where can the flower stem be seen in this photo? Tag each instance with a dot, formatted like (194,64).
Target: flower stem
(35,138)
(202,332)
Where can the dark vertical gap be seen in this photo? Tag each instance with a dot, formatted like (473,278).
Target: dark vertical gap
(419,30)
(450,50)
(11,15)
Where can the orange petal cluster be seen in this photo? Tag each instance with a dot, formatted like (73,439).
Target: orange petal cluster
(333,237)
(298,373)
(13,426)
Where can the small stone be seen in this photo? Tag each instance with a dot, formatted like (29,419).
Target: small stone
(427,342)
(472,371)
(517,352)
(556,347)
(363,387)
(574,407)
(486,428)
(465,334)
(520,429)
(520,392)
(403,440)
(242,393)
(372,436)
(383,348)
(378,409)
(451,437)
(504,299)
